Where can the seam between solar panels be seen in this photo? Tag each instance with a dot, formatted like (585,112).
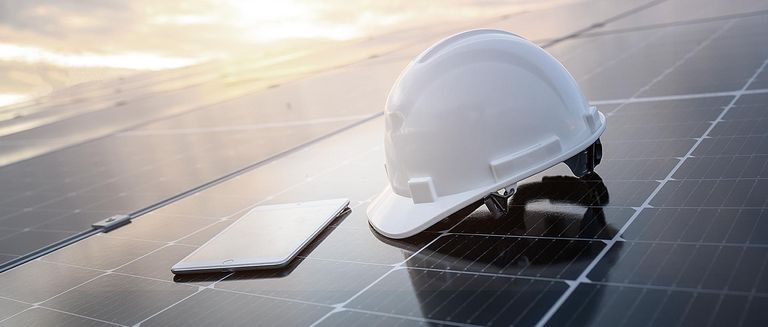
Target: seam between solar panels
(600,24)
(678,97)
(742,15)
(583,277)
(675,65)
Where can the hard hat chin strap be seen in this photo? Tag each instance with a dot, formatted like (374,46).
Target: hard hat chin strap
(581,164)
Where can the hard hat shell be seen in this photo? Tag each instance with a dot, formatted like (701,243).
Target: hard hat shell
(475,113)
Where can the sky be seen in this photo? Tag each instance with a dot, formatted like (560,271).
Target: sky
(46,45)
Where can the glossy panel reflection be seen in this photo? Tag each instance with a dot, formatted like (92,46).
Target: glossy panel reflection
(461,297)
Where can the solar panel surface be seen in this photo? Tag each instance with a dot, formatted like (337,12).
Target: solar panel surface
(670,231)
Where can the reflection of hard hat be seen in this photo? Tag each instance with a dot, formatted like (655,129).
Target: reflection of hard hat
(474,114)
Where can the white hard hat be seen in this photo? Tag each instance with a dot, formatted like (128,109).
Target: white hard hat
(474,114)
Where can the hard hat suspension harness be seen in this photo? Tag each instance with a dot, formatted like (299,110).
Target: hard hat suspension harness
(585,161)
(581,164)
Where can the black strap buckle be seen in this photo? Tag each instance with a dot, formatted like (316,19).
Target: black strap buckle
(498,202)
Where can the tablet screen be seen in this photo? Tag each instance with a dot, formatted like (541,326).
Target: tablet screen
(265,237)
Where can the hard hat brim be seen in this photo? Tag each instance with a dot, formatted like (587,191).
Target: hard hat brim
(396,216)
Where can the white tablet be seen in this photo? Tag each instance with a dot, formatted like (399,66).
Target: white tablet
(265,237)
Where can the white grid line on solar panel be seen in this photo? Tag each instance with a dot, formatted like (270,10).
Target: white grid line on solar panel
(522,314)
(105,272)
(496,293)
(725,193)
(392,315)
(733,146)
(669,218)
(440,289)
(453,274)
(647,149)
(658,310)
(687,272)
(575,257)
(675,288)
(630,309)
(287,189)
(17,313)
(250,127)
(641,259)
(583,304)
(634,169)
(397,266)
(110,272)
(691,194)
(753,293)
(700,305)
(433,269)
(532,237)
(742,127)
(626,101)
(594,262)
(532,228)
(629,51)
(611,300)
(436,255)
(59,311)
(724,168)
(565,56)
(93,172)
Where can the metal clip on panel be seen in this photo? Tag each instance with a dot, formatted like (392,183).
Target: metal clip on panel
(111,223)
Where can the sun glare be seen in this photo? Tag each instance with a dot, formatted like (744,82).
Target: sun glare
(265,20)
(138,61)
(6,99)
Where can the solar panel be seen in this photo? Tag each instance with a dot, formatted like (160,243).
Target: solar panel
(670,231)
